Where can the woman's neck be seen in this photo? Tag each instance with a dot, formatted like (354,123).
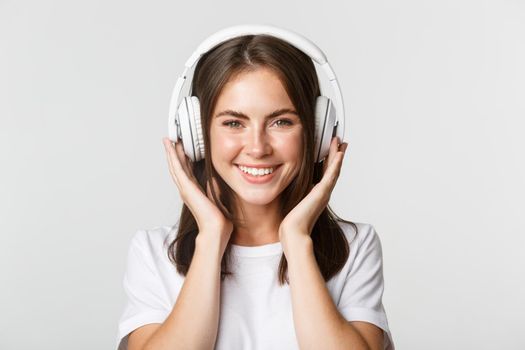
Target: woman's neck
(260,224)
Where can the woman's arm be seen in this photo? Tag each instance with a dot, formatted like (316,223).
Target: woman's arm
(318,323)
(194,320)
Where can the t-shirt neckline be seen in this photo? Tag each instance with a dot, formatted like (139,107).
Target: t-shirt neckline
(257,251)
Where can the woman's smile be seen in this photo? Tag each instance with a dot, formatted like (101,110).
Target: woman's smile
(258,175)
(256,137)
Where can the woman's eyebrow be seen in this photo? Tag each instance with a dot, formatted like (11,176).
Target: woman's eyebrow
(244,116)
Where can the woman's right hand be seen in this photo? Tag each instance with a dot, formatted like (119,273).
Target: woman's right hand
(212,223)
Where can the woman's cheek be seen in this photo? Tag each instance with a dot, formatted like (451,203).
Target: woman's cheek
(225,146)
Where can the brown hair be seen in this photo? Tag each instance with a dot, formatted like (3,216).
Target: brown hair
(297,73)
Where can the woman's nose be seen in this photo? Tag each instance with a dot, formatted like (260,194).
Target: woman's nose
(258,144)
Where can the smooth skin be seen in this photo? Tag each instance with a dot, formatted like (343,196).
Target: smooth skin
(254,140)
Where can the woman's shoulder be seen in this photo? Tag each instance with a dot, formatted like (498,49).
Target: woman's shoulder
(365,252)
(154,240)
(357,232)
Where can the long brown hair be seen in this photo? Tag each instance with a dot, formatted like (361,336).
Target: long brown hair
(297,73)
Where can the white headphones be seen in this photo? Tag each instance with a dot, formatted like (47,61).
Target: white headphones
(184,120)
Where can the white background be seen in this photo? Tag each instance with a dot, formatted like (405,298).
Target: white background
(435,159)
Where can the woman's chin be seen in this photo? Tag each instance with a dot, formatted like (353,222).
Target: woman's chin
(257,198)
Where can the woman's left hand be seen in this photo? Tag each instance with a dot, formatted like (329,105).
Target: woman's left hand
(300,220)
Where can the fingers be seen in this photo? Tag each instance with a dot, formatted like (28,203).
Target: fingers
(179,168)
(183,159)
(335,149)
(173,165)
(334,161)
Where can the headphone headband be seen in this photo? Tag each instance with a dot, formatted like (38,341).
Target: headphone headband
(293,38)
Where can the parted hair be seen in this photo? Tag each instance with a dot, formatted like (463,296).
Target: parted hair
(296,72)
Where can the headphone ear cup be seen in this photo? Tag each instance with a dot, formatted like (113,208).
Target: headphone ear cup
(324,127)
(198,137)
(187,126)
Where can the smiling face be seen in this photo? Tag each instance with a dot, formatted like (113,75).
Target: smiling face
(254,124)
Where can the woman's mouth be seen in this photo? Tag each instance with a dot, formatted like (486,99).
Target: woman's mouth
(258,175)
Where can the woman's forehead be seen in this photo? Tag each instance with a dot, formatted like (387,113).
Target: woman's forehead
(259,92)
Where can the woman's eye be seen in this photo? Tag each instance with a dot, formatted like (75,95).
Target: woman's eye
(230,122)
(285,121)
(234,124)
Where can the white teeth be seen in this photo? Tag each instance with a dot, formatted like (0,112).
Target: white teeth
(256,172)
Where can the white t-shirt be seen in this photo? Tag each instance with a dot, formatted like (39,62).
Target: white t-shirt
(255,312)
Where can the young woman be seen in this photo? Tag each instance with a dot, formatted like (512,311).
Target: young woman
(257,260)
